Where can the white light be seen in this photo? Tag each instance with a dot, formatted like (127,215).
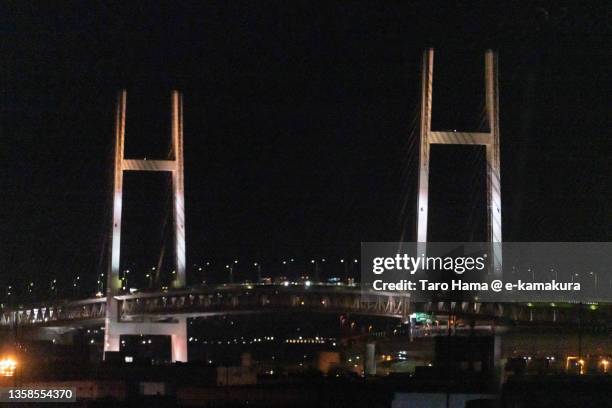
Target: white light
(128,359)
(308,283)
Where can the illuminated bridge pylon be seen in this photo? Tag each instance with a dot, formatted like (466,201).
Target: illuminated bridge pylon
(114,327)
(488,139)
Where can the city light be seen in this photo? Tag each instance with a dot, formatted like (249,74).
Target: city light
(8,366)
(581,362)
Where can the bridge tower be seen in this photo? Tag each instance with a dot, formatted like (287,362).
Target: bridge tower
(176,329)
(488,139)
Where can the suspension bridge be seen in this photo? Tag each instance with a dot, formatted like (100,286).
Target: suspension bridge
(165,312)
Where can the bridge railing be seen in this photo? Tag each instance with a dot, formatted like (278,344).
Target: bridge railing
(250,298)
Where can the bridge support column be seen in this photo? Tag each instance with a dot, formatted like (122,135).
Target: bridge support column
(177,331)
(179,341)
(111,340)
(490,140)
(114,328)
(498,362)
(370,359)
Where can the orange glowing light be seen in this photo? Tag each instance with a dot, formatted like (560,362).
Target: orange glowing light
(7,367)
(581,362)
(573,361)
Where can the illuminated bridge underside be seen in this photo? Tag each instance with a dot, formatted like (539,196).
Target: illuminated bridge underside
(238,299)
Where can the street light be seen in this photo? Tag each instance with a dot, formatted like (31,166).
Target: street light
(204,271)
(346,266)
(101,283)
(125,278)
(316,270)
(54,287)
(75,286)
(230,268)
(257,265)
(596,277)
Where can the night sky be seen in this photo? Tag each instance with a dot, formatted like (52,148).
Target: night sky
(300,136)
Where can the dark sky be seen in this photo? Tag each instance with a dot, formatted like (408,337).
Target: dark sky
(299,126)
